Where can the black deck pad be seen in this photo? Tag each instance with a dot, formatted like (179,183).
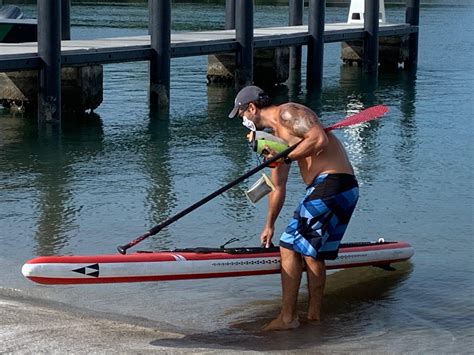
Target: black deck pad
(253,250)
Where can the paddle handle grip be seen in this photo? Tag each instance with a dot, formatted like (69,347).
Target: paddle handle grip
(122,249)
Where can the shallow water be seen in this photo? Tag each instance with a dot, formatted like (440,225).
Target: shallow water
(113,175)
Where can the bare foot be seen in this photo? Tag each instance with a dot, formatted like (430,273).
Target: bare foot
(313,319)
(314,315)
(279,324)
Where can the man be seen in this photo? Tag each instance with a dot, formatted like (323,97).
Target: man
(321,218)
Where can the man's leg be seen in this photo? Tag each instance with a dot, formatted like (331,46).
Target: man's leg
(316,272)
(291,270)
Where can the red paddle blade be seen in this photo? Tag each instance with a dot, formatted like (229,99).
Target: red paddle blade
(363,116)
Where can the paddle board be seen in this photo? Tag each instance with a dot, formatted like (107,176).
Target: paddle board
(196,263)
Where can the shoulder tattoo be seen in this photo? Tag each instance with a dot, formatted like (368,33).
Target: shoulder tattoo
(298,119)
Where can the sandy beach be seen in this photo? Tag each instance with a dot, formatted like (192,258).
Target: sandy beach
(28,328)
(33,326)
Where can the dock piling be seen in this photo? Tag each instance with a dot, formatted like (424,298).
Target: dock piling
(49,51)
(244,38)
(412,17)
(66,20)
(371,40)
(149,17)
(229,14)
(161,53)
(314,71)
(295,19)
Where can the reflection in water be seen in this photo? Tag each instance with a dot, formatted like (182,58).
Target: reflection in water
(157,158)
(294,85)
(55,201)
(407,125)
(230,137)
(44,159)
(54,157)
(353,82)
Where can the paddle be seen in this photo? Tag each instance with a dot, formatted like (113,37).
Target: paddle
(363,116)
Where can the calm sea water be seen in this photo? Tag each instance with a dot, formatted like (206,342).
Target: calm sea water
(111,176)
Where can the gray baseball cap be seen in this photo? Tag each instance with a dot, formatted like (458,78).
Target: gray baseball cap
(245,96)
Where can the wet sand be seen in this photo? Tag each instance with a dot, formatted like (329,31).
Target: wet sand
(37,329)
(36,326)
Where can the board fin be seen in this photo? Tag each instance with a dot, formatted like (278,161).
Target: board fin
(386,267)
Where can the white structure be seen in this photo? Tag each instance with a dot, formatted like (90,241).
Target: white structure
(357,11)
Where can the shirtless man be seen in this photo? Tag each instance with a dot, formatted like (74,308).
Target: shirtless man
(320,220)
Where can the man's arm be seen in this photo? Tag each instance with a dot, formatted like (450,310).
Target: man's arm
(275,202)
(314,141)
(303,123)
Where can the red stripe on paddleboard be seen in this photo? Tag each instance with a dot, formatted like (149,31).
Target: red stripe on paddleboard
(112,258)
(373,247)
(144,257)
(101,280)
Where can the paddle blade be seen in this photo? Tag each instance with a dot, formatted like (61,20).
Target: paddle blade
(363,116)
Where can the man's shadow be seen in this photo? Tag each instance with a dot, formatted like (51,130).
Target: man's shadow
(351,299)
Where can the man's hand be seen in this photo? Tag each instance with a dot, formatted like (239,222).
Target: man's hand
(266,237)
(269,153)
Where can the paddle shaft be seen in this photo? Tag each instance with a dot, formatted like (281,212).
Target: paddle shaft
(123,249)
(363,116)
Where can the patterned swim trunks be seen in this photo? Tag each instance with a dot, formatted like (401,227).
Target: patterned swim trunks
(321,219)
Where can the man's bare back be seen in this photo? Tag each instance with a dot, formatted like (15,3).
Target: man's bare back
(293,121)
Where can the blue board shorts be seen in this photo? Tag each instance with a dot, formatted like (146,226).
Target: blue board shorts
(321,218)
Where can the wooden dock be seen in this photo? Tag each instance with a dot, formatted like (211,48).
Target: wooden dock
(24,56)
(50,53)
